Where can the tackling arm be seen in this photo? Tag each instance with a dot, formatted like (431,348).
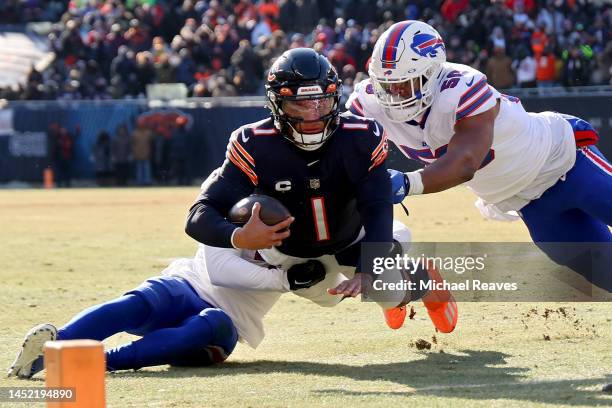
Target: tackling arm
(226,268)
(466,151)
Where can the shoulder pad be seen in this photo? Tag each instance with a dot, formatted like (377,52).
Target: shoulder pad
(349,116)
(243,133)
(367,136)
(240,150)
(350,121)
(264,127)
(464,91)
(362,101)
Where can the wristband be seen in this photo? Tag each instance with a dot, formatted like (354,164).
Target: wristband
(232,238)
(414,183)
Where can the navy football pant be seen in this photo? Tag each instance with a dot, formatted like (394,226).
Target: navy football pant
(577,209)
(178,327)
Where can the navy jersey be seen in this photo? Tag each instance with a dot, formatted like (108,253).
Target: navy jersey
(332,192)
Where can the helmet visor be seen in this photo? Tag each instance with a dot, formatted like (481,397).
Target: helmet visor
(309,115)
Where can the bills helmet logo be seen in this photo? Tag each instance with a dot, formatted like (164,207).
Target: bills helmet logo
(388,72)
(426,45)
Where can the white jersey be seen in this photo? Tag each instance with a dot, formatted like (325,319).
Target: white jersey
(530,151)
(246,289)
(220,276)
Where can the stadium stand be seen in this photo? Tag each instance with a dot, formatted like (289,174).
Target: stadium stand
(113,49)
(27,11)
(20,55)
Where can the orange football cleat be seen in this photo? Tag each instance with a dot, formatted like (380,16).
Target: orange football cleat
(395,317)
(441,305)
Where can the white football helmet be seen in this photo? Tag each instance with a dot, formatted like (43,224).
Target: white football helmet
(405,58)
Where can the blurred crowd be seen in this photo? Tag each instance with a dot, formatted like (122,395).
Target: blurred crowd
(112,49)
(145,155)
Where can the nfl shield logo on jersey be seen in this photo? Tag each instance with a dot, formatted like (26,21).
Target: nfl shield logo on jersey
(315,183)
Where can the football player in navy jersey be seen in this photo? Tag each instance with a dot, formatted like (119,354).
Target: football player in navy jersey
(327,168)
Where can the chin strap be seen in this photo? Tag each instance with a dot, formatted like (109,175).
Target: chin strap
(324,135)
(405,209)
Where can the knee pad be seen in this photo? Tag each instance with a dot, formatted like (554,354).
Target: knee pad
(402,234)
(318,293)
(204,339)
(217,318)
(224,331)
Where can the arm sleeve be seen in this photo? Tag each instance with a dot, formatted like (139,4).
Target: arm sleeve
(373,183)
(375,206)
(228,184)
(228,269)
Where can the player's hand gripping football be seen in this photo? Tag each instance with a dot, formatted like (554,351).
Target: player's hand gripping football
(257,235)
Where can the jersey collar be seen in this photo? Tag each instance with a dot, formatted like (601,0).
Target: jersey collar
(420,123)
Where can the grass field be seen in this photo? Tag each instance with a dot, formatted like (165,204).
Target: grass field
(63,250)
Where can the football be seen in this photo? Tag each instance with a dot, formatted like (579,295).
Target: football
(272,211)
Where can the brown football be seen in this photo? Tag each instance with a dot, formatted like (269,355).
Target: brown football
(272,211)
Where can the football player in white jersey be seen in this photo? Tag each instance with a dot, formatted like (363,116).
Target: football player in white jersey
(542,167)
(191,315)
(195,311)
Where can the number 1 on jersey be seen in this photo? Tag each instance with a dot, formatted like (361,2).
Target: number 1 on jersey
(320,218)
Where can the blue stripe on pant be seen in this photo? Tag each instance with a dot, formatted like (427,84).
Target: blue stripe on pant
(577,209)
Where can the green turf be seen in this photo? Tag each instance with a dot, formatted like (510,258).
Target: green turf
(63,250)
